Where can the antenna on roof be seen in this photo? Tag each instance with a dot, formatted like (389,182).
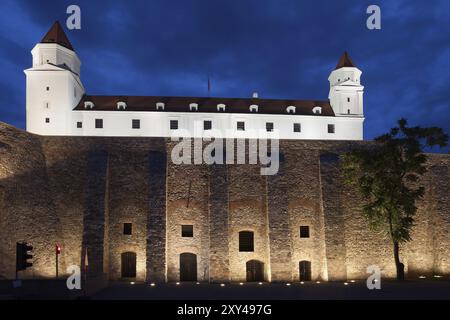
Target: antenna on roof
(209,86)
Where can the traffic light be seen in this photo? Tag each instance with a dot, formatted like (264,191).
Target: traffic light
(23,254)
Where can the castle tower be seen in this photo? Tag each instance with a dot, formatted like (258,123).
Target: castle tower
(346,91)
(53,84)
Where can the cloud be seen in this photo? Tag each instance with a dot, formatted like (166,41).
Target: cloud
(282,49)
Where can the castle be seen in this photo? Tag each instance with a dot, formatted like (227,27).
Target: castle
(58,105)
(109,196)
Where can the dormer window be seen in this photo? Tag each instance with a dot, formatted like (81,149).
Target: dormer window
(290,109)
(254,108)
(220,107)
(121,105)
(160,106)
(317,110)
(193,107)
(88,105)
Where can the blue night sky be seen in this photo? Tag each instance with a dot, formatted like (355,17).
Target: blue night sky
(281,49)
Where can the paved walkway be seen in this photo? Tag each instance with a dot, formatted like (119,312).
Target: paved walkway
(420,289)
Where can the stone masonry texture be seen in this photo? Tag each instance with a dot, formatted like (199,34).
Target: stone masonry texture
(78,192)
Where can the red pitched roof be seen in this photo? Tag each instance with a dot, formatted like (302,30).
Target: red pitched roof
(345,61)
(181,104)
(57,35)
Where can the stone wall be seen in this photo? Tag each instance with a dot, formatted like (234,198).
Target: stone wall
(247,212)
(27,207)
(79,191)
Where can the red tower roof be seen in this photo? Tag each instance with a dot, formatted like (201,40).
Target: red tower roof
(57,35)
(345,61)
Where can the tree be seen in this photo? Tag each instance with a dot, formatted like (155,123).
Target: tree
(387,175)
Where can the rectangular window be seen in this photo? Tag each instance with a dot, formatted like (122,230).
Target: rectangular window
(246,241)
(47,120)
(187,231)
(127,229)
(331,128)
(297,127)
(173,124)
(98,123)
(304,231)
(207,125)
(240,126)
(348,99)
(136,124)
(47,88)
(79,124)
(269,126)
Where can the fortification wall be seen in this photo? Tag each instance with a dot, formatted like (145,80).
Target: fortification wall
(79,191)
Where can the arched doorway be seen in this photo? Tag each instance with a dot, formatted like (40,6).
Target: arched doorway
(255,271)
(305,270)
(128,264)
(188,267)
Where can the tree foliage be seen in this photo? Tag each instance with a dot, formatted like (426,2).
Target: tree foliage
(387,175)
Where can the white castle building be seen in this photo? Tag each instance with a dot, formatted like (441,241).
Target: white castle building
(57,104)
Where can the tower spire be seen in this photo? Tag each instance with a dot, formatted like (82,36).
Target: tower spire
(345,61)
(57,35)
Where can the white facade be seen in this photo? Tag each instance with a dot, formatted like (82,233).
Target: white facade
(346,92)
(54,89)
(157,124)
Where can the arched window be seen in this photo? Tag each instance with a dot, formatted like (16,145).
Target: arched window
(246,241)
(290,109)
(128,264)
(317,110)
(160,106)
(121,105)
(221,107)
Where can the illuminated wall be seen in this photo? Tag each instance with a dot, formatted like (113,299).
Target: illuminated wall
(53,192)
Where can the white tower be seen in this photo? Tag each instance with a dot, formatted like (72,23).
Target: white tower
(346,91)
(54,87)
